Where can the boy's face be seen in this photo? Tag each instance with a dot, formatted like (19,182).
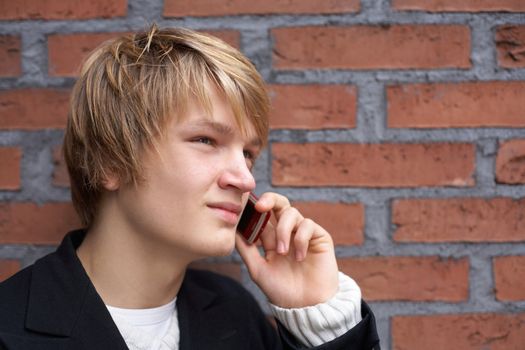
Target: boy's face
(195,185)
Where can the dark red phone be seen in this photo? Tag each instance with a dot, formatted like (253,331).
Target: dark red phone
(252,223)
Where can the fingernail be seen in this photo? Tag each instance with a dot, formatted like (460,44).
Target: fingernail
(281,248)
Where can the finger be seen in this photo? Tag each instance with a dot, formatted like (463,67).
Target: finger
(278,204)
(268,237)
(287,224)
(250,255)
(303,235)
(272,201)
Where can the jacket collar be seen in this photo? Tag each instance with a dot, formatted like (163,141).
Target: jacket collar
(192,302)
(204,316)
(63,302)
(60,286)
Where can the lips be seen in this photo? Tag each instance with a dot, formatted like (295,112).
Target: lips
(227,211)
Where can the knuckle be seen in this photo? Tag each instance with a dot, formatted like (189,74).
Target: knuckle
(295,212)
(309,222)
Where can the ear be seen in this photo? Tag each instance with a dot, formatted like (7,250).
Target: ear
(111,182)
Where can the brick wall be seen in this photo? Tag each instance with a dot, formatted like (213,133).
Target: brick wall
(399,125)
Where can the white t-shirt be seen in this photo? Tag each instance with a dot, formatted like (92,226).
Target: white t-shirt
(148,329)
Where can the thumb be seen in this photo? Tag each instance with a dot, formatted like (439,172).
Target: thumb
(250,255)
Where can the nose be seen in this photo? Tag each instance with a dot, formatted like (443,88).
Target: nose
(237,174)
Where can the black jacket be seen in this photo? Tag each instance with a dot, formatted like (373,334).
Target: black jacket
(53,305)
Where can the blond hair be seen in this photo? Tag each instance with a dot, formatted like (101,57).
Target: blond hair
(131,86)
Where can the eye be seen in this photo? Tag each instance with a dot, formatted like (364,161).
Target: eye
(249,155)
(204,140)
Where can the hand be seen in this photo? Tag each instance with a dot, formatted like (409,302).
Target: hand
(299,267)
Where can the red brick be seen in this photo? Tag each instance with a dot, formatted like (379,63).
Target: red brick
(205,8)
(10,65)
(231,37)
(428,278)
(510,42)
(459,332)
(459,220)
(10,175)
(27,223)
(232,270)
(67,52)
(510,162)
(460,6)
(345,222)
(60,174)
(509,278)
(372,47)
(32,109)
(8,268)
(313,106)
(373,165)
(59,9)
(455,105)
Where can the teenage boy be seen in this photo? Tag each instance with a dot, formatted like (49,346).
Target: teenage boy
(163,131)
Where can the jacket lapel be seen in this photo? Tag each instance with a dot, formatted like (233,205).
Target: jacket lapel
(204,321)
(192,300)
(64,303)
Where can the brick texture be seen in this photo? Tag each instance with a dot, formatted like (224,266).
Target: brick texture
(459,6)
(373,165)
(66,52)
(182,8)
(10,175)
(409,278)
(460,332)
(8,268)
(59,9)
(232,270)
(27,223)
(459,220)
(313,106)
(33,109)
(231,37)
(393,127)
(372,47)
(60,174)
(509,278)
(510,43)
(475,104)
(510,162)
(10,64)
(345,222)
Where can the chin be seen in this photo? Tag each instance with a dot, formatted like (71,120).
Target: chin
(222,246)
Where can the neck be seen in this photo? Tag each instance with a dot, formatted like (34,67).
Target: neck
(130,270)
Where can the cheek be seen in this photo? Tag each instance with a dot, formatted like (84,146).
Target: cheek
(198,174)
(181,180)
(176,193)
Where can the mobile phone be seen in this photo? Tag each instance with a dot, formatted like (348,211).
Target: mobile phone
(252,223)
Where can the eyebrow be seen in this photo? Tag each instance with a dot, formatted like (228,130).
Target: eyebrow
(220,128)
